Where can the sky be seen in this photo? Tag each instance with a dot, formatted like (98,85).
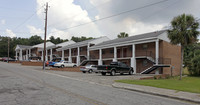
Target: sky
(90,18)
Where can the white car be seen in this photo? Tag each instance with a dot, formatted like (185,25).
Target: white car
(64,64)
(88,68)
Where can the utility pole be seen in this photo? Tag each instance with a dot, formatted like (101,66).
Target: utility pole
(8,49)
(45,34)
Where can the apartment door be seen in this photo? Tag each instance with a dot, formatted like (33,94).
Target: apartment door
(124,52)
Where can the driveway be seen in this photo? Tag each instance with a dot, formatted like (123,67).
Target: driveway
(94,78)
(21,85)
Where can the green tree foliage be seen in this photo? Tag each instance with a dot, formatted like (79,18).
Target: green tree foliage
(122,35)
(184,32)
(56,40)
(33,40)
(192,59)
(79,39)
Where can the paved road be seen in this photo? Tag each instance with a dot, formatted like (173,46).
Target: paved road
(21,85)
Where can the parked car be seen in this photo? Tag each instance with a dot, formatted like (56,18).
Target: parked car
(115,67)
(64,64)
(88,68)
(6,59)
(54,61)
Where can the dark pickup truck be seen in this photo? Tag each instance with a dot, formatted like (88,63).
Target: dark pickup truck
(115,67)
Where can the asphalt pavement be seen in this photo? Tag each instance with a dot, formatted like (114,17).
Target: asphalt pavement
(23,85)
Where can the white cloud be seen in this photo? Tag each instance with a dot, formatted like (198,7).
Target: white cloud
(58,33)
(10,33)
(63,14)
(3,22)
(140,21)
(35,31)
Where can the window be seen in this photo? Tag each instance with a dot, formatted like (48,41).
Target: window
(145,46)
(144,63)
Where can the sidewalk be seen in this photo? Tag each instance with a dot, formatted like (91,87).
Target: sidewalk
(191,97)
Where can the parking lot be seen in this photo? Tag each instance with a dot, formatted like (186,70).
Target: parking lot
(94,78)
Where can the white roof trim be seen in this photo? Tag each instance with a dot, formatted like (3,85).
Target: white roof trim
(124,43)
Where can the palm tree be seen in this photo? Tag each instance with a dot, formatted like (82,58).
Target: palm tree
(183,32)
(122,35)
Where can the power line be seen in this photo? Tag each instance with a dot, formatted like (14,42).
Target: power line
(29,17)
(80,14)
(116,14)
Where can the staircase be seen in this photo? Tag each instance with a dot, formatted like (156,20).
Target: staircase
(84,62)
(151,59)
(152,68)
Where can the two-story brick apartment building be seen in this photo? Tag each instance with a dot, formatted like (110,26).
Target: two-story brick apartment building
(60,49)
(142,52)
(79,51)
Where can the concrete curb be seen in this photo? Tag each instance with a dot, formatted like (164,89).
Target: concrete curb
(120,86)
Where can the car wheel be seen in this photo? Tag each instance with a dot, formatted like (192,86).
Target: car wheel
(62,66)
(103,73)
(131,72)
(112,73)
(74,66)
(90,71)
(84,71)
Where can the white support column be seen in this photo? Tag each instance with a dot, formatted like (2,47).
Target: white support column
(70,56)
(26,54)
(20,55)
(78,57)
(16,55)
(100,57)
(157,54)
(51,54)
(63,55)
(42,56)
(115,54)
(88,51)
(46,57)
(133,60)
(29,52)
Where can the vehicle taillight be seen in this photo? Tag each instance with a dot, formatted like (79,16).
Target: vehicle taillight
(106,67)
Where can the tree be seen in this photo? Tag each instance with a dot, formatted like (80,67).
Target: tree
(183,32)
(79,39)
(122,35)
(33,40)
(192,59)
(57,40)
(194,68)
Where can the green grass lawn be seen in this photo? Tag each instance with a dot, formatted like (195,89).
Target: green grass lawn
(188,84)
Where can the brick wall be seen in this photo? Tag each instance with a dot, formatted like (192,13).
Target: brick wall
(94,54)
(27,63)
(174,53)
(83,50)
(108,53)
(66,53)
(140,50)
(124,51)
